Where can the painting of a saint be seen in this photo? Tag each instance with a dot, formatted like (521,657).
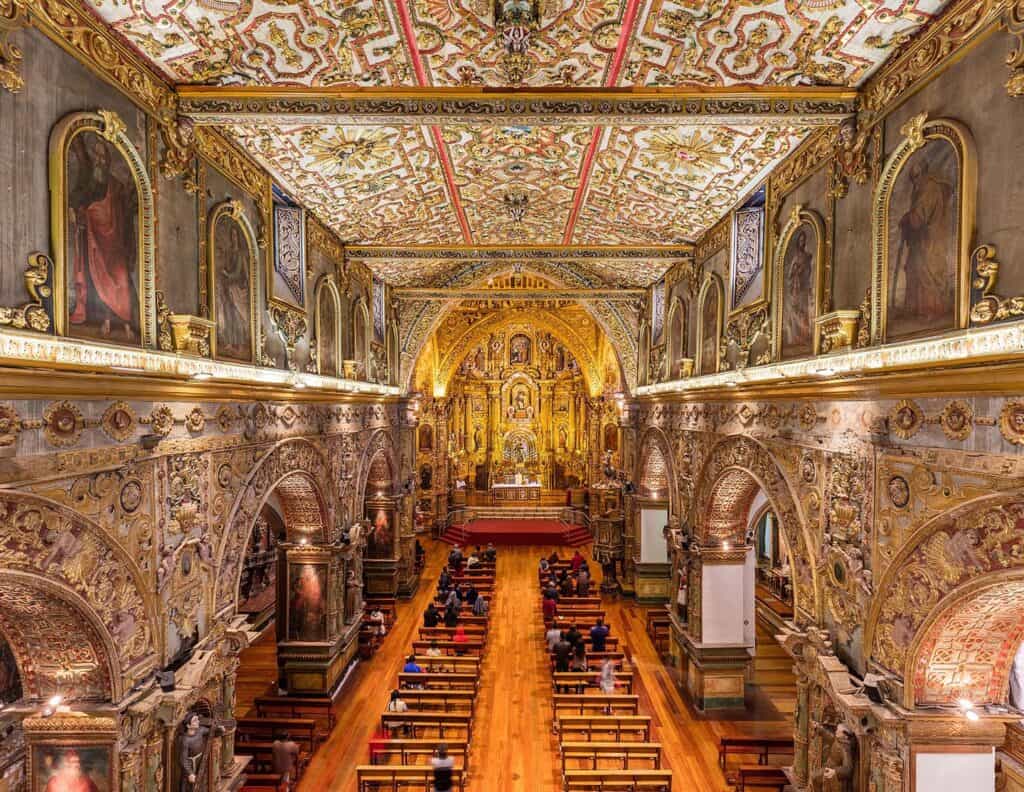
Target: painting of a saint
(426,437)
(611,437)
(307,610)
(327,334)
(709,332)
(72,769)
(380,543)
(798,268)
(519,350)
(232,265)
(923,246)
(102,242)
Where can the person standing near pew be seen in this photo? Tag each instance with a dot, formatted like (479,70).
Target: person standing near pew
(598,635)
(566,587)
(431,616)
(578,661)
(563,652)
(553,558)
(550,608)
(583,582)
(445,581)
(455,559)
(551,592)
(577,561)
(461,639)
(573,635)
(284,751)
(553,636)
(451,615)
(480,607)
(490,554)
(443,765)
(607,679)
(471,595)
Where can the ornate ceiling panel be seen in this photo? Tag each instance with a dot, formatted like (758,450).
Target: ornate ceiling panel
(265,42)
(776,42)
(664,185)
(517,183)
(381,184)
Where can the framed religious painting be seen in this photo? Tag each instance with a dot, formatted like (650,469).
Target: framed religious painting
(286,275)
(101,219)
(798,284)
(71,752)
(746,267)
(307,601)
(709,327)
(383,517)
(520,350)
(232,254)
(328,327)
(924,223)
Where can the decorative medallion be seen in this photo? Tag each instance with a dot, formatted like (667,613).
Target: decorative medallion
(10,425)
(195,421)
(162,420)
(131,496)
(905,419)
(63,423)
(899,492)
(1011,422)
(957,420)
(226,417)
(288,416)
(773,416)
(118,421)
(808,470)
(808,417)
(224,475)
(745,414)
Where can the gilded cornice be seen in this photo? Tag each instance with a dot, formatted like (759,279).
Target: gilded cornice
(760,105)
(812,155)
(716,238)
(464,253)
(235,164)
(322,238)
(520,295)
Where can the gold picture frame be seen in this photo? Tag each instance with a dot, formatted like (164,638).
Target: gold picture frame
(232,209)
(90,739)
(108,125)
(798,217)
(916,133)
(328,284)
(711,281)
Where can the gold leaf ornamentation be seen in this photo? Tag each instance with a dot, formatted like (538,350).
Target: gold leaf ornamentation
(34,315)
(1011,422)
(990,307)
(118,421)
(162,420)
(957,420)
(63,424)
(906,419)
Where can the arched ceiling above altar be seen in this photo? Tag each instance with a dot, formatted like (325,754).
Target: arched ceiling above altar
(689,106)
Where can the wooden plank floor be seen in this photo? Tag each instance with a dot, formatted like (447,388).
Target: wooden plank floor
(513,746)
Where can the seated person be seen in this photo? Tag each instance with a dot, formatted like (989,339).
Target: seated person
(553,558)
(490,554)
(473,561)
(566,587)
(598,634)
(397,704)
(544,565)
(451,616)
(376,618)
(460,637)
(573,635)
(433,650)
(480,607)
(551,592)
(471,594)
(431,616)
(410,666)
(454,598)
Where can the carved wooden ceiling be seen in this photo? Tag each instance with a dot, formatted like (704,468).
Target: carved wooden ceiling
(603,182)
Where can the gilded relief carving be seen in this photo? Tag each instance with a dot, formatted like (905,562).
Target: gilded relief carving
(989,306)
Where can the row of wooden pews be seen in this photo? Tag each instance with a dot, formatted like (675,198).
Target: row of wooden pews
(604,740)
(440,700)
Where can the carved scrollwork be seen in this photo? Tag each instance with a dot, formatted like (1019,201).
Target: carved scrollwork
(34,315)
(12,17)
(164,334)
(179,139)
(1015,60)
(851,161)
(741,333)
(291,326)
(990,307)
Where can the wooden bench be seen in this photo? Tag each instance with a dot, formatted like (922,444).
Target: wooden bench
(586,681)
(467,664)
(596,659)
(296,707)
(612,642)
(378,778)
(659,626)
(579,602)
(635,728)
(439,681)
(759,776)
(474,648)
(760,746)
(263,729)
(582,704)
(627,754)
(459,725)
(473,631)
(617,781)
(415,752)
(262,758)
(440,700)
(262,781)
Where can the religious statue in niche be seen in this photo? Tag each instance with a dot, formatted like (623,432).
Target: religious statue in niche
(611,438)
(102,241)
(478,440)
(426,437)
(563,438)
(307,612)
(519,351)
(72,769)
(798,268)
(923,242)
(520,407)
(839,767)
(193,754)
(559,358)
(426,477)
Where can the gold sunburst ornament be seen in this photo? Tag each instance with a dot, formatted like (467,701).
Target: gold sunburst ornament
(343,150)
(690,156)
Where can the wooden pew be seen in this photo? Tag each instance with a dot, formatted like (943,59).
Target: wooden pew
(381,778)
(439,700)
(611,642)
(263,729)
(458,725)
(759,746)
(596,659)
(595,704)
(254,781)
(579,602)
(473,631)
(467,664)
(759,776)
(262,760)
(617,781)
(439,681)
(415,752)
(626,754)
(473,648)
(586,681)
(296,707)
(634,728)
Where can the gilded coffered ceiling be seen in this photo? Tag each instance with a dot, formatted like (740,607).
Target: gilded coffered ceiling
(470,182)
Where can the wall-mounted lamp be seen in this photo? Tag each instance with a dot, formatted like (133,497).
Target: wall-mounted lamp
(202,376)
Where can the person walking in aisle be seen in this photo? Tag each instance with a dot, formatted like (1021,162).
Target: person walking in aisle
(443,766)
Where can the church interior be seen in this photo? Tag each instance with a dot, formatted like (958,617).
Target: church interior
(540,395)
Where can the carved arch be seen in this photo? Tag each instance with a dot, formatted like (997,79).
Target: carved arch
(60,551)
(380,443)
(737,467)
(655,441)
(303,469)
